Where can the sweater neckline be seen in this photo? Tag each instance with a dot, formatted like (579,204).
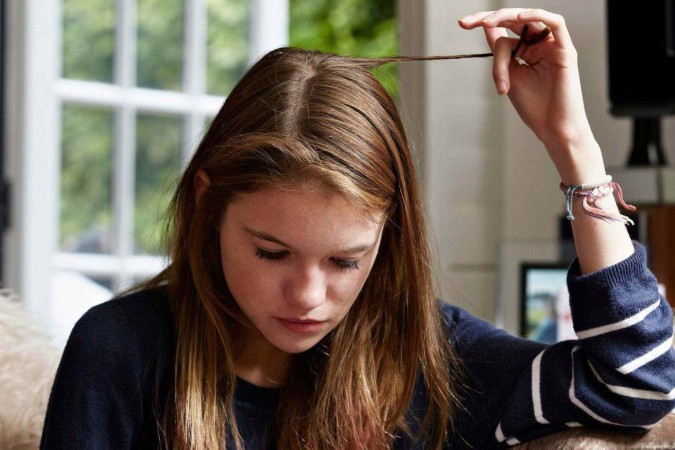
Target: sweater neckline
(257,396)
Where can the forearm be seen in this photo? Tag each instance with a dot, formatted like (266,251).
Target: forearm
(599,243)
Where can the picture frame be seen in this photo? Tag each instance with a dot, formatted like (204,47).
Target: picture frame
(545,314)
(512,254)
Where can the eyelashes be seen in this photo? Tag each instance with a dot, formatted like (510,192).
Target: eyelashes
(271,256)
(342,264)
(347,264)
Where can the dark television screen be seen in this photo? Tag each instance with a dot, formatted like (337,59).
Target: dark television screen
(641,40)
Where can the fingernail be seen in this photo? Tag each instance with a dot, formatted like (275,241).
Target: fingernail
(501,87)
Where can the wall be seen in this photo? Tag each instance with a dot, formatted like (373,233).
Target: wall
(477,157)
(525,158)
(460,145)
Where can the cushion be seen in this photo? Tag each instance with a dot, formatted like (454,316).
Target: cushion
(662,436)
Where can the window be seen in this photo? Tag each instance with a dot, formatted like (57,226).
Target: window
(365,28)
(115,97)
(124,89)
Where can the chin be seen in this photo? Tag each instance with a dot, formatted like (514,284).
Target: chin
(295,347)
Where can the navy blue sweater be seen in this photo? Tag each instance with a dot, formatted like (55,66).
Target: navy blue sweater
(619,374)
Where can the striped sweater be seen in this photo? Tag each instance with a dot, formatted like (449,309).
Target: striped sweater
(619,374)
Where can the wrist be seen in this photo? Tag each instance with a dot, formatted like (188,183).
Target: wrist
(578,163)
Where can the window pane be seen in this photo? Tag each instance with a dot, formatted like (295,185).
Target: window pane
(160,44)
(72,294)
(351,27)
(227,44)
(88,39)
(86,180)
(158,155)
(135,281)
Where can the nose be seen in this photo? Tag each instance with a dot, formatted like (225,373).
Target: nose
(306,288)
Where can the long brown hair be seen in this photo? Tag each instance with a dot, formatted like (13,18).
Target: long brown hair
(300,116)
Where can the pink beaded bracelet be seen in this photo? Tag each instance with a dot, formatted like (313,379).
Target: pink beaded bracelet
(590,193)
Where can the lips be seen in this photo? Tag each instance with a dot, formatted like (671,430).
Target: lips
(302,326)
(301,321)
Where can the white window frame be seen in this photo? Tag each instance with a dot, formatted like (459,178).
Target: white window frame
(33,108)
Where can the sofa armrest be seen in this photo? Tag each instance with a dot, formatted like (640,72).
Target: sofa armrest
(662,436)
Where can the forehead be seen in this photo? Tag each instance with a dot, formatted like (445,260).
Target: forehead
(304,217)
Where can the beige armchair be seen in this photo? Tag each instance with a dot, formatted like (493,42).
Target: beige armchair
(660,437)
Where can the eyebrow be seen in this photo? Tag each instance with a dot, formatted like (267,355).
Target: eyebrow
(270,238)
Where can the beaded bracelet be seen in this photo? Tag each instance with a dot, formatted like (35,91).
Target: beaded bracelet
(590,193)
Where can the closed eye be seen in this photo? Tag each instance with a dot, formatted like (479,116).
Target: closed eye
(347,264)
(270,256)
(342,264)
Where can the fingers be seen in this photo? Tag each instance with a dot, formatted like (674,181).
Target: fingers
(509,18)
(478,20)
(473,20)
(493,34)
(517,28)
(500,65)
(555,21)
(504,15)
(515,18)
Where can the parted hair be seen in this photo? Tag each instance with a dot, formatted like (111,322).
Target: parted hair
(297,118)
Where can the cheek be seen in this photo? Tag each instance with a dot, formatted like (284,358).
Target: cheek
(347,286)
(248,281)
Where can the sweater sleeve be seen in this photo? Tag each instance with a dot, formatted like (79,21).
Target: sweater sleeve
(620,373)
(96,400)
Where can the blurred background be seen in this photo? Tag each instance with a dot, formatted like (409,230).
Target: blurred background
(105,100)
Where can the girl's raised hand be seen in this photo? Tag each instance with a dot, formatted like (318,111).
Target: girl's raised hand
(545,90)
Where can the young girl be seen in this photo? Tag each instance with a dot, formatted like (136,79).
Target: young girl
(298,313)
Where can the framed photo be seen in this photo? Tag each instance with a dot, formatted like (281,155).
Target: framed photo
(544,303)
(512,254)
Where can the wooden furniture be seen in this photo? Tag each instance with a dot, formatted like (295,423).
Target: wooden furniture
(661,240)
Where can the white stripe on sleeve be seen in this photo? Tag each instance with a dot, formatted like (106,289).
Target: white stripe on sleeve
(499,434)
(625,323)
(647,357)
(634,393)
(536,393)
(579,404)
